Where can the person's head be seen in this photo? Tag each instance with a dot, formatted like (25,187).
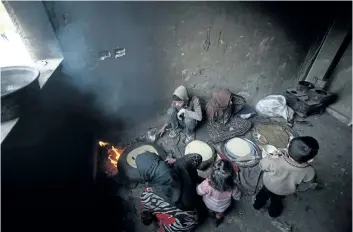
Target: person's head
(223,97)
(180,96)
(222,176)
(179,102)
(303,149)
(147,218)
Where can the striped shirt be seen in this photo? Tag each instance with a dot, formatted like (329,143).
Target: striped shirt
(215,200)
(170,217)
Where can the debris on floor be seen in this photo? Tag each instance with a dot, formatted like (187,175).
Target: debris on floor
(263,133)
(303,122)
(281,225)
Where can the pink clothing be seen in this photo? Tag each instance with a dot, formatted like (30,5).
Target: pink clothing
(215,200)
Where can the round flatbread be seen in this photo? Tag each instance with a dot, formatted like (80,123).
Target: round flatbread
(131,156)
(203,149)
(238,147)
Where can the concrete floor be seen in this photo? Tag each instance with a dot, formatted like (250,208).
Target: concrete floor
(325,210)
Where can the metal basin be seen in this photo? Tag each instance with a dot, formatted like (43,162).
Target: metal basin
(18,83)
(16,77)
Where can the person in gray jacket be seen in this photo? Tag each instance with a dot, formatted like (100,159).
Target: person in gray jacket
(287,171)
(184,112)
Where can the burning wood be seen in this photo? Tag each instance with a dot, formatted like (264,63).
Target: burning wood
(111,163)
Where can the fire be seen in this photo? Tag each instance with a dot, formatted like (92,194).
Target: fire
(102,144)
(113,152)
(115,155)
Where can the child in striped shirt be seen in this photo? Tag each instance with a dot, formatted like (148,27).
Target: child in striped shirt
(218,190)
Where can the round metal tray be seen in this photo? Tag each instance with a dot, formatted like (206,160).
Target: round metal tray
(251,163)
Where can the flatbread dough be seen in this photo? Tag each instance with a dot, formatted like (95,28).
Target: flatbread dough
(131,157)
(238,147)
(201,148)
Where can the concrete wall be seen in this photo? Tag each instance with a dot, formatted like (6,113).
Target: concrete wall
(256,48)
(32,23)
(341,84)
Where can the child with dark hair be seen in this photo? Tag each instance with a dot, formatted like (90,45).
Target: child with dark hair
(218,190)
(286,172)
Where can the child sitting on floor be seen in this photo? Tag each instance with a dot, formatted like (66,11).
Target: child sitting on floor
(286,172)
(218,190)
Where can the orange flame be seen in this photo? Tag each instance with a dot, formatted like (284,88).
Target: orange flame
(113,152)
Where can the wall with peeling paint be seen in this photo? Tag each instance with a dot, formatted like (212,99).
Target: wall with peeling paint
(253,48)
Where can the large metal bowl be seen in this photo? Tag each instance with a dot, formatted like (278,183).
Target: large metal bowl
(18,83)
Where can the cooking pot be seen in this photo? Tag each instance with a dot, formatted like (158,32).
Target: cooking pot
(18,85)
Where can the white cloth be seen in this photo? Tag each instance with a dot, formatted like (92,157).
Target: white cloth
(274,106)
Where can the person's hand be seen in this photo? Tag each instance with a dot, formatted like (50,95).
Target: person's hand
(180,113)
(161,132)
(276,152)
(170,160)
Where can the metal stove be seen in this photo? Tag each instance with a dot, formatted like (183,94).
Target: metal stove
(305,99)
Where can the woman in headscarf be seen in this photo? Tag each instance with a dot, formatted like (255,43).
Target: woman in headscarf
(220,110)
(219,107)
(170,195)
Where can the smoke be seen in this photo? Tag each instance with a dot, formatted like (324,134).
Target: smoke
(128,88)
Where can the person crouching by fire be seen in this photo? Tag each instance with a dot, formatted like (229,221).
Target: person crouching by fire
(170,198)
(183,113)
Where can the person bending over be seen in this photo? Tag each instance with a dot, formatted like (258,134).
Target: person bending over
(170,197)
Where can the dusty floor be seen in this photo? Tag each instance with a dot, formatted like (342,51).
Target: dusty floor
(325,210)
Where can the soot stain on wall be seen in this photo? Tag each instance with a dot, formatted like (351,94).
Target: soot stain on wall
(255,48)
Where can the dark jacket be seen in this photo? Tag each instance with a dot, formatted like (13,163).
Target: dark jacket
(175,185)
